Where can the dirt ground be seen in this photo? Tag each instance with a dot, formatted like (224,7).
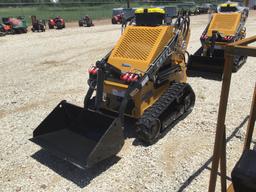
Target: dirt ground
(38,70)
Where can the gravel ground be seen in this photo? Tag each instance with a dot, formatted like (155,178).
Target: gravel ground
(40,69)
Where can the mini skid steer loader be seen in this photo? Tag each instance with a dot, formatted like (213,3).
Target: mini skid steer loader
(143,77)
(37,25)
(225,27)
(15,25)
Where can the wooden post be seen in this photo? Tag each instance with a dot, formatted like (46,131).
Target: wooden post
(219,153)
(251,122)
(221,120)
(223,163)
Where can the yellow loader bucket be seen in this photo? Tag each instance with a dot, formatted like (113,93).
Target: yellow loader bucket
(78,135)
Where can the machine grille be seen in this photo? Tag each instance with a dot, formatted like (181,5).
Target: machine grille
(225,23)
(139,46)
(138,43)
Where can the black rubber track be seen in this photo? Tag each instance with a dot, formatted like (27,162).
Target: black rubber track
(176,93)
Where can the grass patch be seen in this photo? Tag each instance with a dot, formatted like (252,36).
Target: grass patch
(69,13)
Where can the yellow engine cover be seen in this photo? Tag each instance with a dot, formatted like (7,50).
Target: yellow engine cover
(225,23)
(139,46)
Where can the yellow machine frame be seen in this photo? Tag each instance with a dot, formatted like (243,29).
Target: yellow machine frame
(140,51)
